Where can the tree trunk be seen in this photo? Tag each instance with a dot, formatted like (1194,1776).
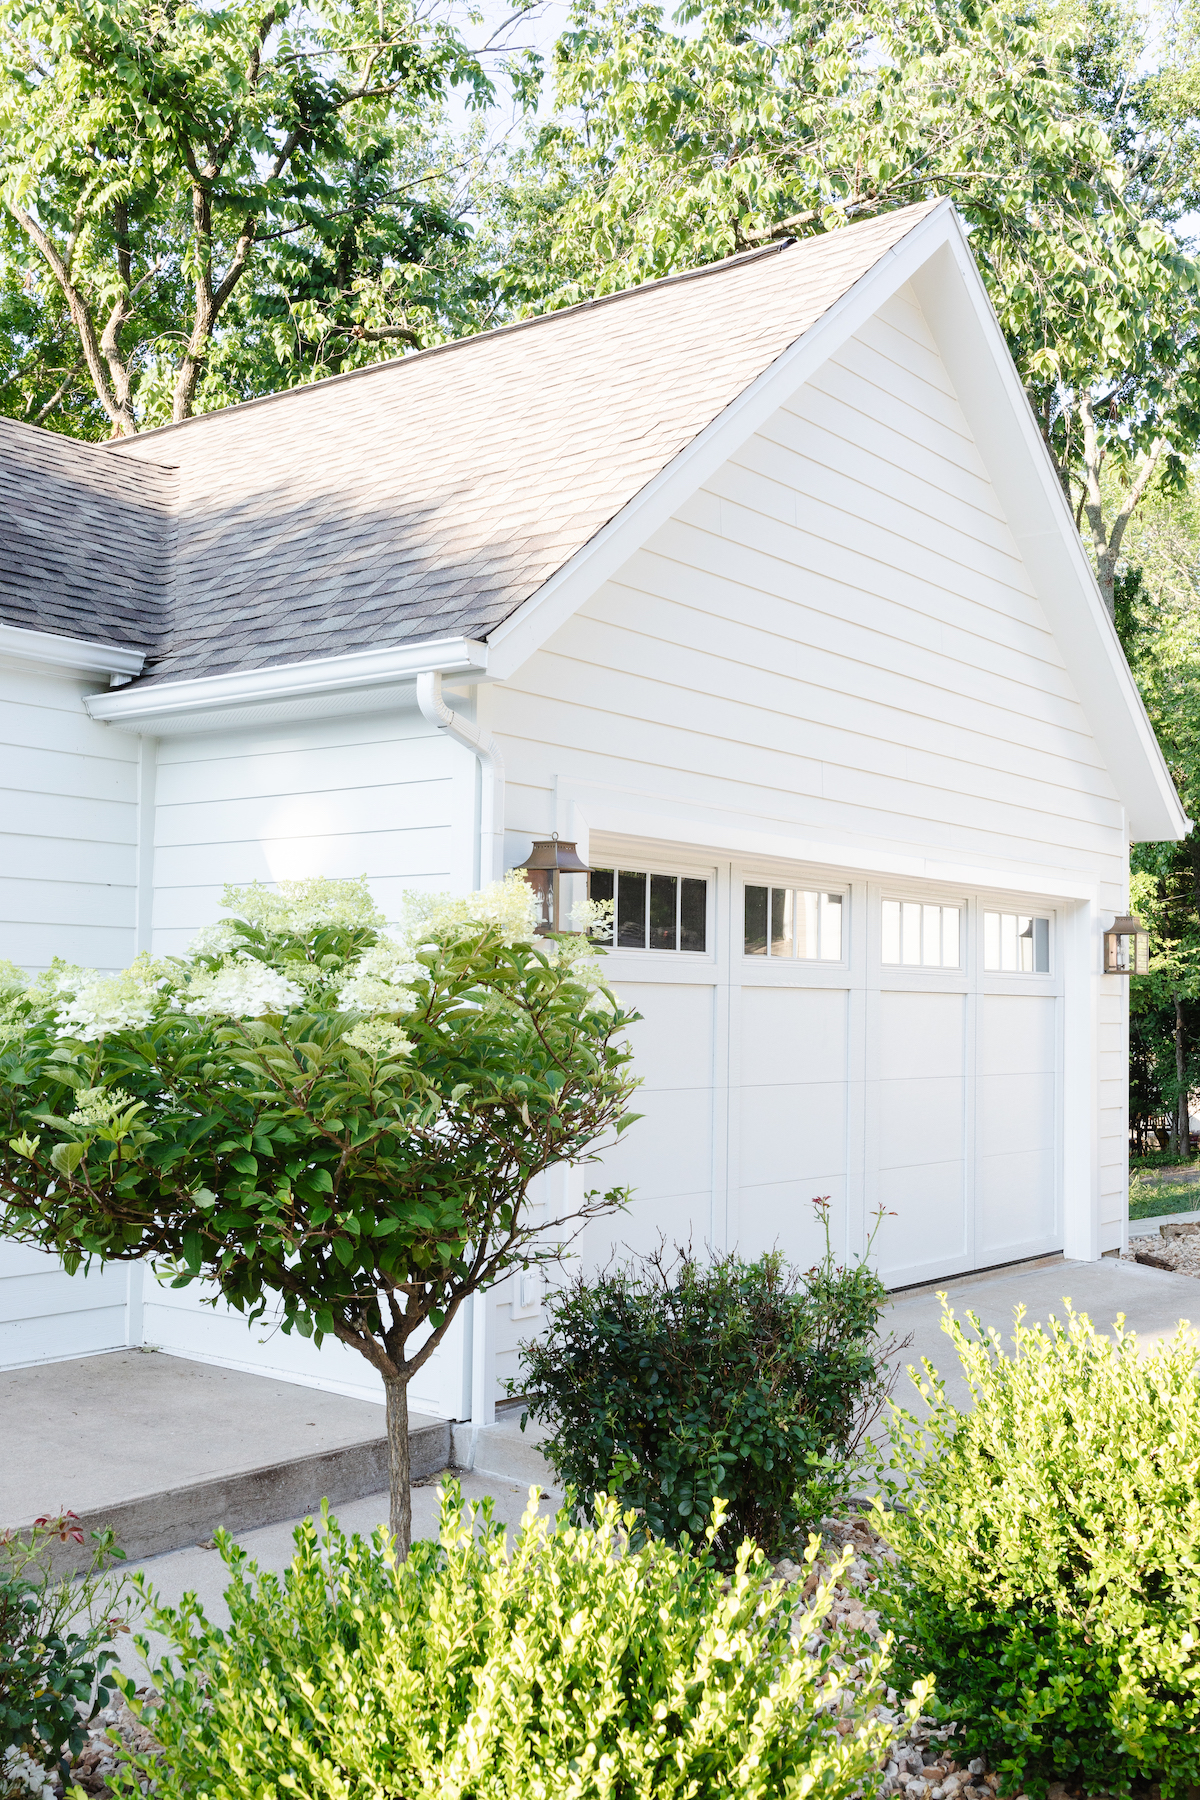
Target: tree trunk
(399,1468)
(1183,1141)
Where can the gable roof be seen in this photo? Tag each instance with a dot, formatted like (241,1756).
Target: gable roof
(431,495)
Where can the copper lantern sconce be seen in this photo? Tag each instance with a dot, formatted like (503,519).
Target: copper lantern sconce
(549,860)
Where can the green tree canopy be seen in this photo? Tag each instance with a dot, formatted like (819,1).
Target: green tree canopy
(204,202)
(309,1113)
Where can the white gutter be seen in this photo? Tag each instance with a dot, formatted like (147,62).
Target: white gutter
(336,683)
(491,770)
(78,654)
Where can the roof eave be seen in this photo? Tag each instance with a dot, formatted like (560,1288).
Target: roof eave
(362,681)
(77,656)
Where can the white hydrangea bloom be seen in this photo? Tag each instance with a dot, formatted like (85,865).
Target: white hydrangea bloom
(99,1106)
(242,990)
(511,904)
(380,981)
(88,1006)
(213,940)
(317,903)
(375,1037)
(23,1779)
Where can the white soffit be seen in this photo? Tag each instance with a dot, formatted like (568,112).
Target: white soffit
(936,258)
(72,655)
(329,687)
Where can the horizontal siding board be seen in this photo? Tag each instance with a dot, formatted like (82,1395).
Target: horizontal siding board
(34,946)
(30,900)
(848,386)
(366,731)
(34,815)
(347,856)
(820,680)
(326,769)
(320,813)
(64,859)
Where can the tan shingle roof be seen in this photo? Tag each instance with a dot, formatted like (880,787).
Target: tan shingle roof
(431,495)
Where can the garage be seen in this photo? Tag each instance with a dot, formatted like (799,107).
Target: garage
(886,1043)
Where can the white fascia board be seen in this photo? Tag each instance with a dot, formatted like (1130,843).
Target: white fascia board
(515,641)
(78,655)
(973,349)
(360,681)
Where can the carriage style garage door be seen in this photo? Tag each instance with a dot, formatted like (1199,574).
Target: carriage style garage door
(887,1045)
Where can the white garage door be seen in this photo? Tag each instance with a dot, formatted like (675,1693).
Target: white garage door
(889,1047)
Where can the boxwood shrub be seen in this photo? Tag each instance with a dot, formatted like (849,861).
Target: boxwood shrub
(577,1666)
(673,1385)
(1050,1555)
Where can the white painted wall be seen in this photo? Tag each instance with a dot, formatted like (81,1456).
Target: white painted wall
(68,831)
(832,655)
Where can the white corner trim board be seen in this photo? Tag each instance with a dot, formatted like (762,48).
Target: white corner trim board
(77,655)
(211,702)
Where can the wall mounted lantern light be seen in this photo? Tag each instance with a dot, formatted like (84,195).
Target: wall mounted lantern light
(1126,948)
(548,861)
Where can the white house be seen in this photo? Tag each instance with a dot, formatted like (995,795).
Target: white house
(757,583)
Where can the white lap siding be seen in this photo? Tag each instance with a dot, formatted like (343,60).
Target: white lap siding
(832,657)
(68,848)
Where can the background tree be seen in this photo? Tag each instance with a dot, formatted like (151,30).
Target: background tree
(153,156)
(308,1113)
(753,120)
(1158,618)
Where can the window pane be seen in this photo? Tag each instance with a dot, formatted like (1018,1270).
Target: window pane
(693,914)
(910,932)
(1008,942)
(806,925)
(891,931)
(664,893)
(1041,946)
(949,937)
(631,911)
(1025,943)
(991,940)
(600,884)
(931,935)
(755,940)
(831,928)
(781,922)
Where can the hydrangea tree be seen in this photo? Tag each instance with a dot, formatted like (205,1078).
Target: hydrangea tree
(308,1112)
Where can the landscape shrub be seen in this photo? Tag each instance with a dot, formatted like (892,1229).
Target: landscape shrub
(579,1666)
(56,1648)
(1050,1556)
(674,1386)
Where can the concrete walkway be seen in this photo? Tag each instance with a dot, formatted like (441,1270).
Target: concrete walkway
(164,1450)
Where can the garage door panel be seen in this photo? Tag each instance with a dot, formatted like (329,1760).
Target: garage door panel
(1016,1208)
(792,1035)
(929,1226)
(786,1128)
(672,1042)
(780,1216)
(920,1120)
(921,1033)
(1017,1034)
(1016,1112)
(668,1150)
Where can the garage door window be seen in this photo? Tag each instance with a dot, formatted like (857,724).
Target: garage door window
(793,923)
(1015,943)
(654,912)
(916,936)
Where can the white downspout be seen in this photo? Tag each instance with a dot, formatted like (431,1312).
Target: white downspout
(491,868)
(491,770)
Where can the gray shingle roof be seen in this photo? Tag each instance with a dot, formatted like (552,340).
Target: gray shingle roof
(424,497)
(85,538)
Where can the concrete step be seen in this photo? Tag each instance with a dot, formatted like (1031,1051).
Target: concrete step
(505,1452)
(165,1450)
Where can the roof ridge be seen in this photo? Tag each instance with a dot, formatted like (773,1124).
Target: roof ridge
(88,446)
(739,259)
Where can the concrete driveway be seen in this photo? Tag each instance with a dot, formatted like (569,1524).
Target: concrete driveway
(1152,1302)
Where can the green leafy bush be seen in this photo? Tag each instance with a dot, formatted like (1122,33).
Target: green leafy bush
(55,1641)
(1050,1556)
(673,1387)
(578,1666)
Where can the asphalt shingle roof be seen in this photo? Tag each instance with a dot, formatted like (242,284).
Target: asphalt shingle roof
(424,497)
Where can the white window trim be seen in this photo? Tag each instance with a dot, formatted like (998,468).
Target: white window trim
(796,885)
(923,969)
(640,865)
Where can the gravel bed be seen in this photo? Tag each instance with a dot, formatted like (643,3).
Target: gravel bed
(1174,1246)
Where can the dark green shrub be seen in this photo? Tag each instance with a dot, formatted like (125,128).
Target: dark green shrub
(573,1666)
(55,1641)
(1050,1556)
(676,1386)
